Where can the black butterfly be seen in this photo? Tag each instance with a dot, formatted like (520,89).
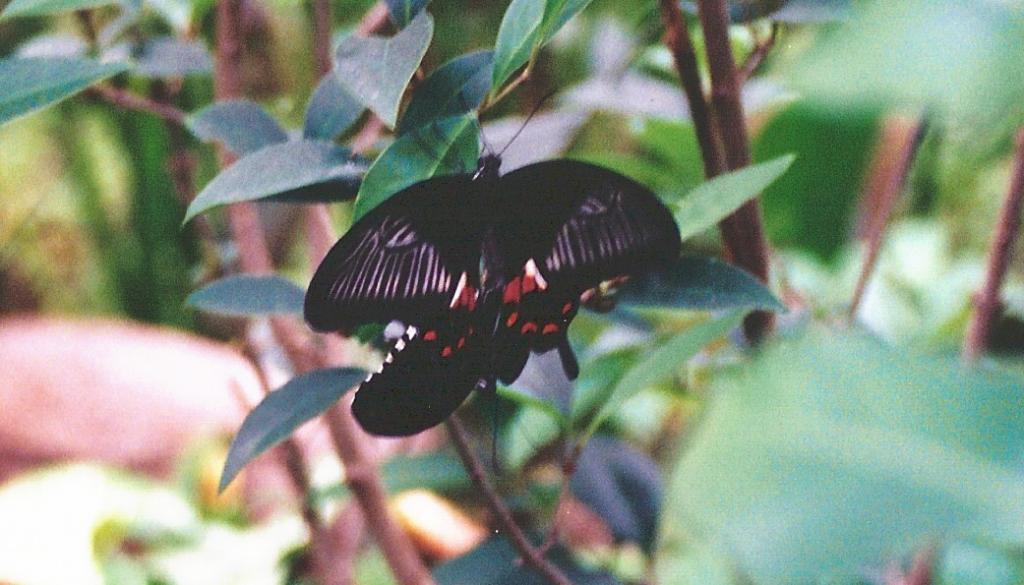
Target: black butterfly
(483,269)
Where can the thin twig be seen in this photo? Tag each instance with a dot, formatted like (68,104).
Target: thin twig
(757,55)
(898,147)
(531,556)
(374,20)
(132,101)
(743,231)
(987,305)
(677,38)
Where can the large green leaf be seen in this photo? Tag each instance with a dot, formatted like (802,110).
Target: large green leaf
(948,55)
(662,363)
(331,110)
(275,169)
(283,411)
(30,84)
(833,453)
(248,294)
(376,70)
(445,146)
(517,36)
(716,199)
(43,7)
(242,126)
(456,87)
(698,283)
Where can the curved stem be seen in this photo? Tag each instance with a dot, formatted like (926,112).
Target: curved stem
(530,554)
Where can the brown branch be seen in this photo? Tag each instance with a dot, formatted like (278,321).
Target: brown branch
(889,169)
(374,20)
(322,20)
(757,55)
(743,231)
(987,305)
(530,555)
(677,38)
(131,101)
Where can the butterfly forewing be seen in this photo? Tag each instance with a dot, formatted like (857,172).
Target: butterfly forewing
(402,261)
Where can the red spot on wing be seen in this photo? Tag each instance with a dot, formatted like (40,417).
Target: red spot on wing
(512,318)
(461,343)
(430,335)
(512,291)
(528,327)
(549,328)
(566,308)
(447,351)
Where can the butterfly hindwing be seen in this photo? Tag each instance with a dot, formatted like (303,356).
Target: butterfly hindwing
(566,227)
(401,261)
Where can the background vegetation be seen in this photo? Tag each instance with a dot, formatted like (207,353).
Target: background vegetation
(167,161)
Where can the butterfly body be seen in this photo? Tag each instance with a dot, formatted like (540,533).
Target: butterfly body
(483,269)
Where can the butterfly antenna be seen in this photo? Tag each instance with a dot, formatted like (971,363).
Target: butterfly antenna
(533,112)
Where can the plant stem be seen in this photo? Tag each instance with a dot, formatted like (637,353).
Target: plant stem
(677,38)
(897,148)
(756,56)
(987,305)
(530,555)
(132,101)
(322,20)
(722,137)
(350,444)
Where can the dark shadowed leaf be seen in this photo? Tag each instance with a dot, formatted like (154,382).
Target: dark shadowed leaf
(714,200)
(27,85)
(812,205)
(623,486)
(241,125)
(660,364)
(284,410)
(246,294)
(456,87)
(698,283)
(376,70)
(331,110)
(277,169)
(42,7)
(518,35)
(495,562)
(403,11)
(444,146)
(865,451)
(170,57)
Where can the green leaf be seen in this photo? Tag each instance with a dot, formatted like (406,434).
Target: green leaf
(30,84)
(43,7)
(246,294)
(436,471)
(496,562)
(698,283)
(403,11)
(275,169)
(376,70)
(517,36)
(171,57)
(558,12)
(716,199)
(812,206)
(242,126)
(284,410)
(445,146)
(331,110)
(862,450)
(969,74)
(661,363)
(456,87)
